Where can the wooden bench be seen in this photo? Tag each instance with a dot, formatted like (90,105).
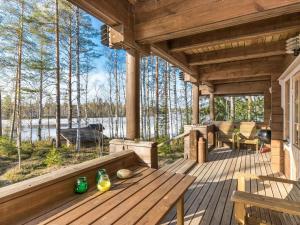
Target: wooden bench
(247,135)
(286,211)
(50,199)
(225,133)
(182,166)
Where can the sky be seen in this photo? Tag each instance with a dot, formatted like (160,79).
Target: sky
(99,75)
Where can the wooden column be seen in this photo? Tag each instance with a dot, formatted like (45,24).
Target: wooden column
(212,106)
(132,95)
(195,104)
(267,107)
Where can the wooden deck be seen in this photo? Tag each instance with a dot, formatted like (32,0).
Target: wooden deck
(207,202)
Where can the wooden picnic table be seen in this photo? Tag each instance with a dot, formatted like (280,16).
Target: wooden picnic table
(143,199)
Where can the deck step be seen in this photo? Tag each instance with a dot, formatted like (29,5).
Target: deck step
(182,166)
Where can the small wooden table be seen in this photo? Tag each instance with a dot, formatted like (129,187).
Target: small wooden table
(143,199)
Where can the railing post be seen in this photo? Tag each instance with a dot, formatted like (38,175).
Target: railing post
(194,135)
(201,150)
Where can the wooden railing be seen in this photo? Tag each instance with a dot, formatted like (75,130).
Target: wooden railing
(173,139)
(22,201)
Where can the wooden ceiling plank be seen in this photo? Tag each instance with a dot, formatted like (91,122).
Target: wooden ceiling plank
(246,32)
(176,59)
(238,54)
(179,18)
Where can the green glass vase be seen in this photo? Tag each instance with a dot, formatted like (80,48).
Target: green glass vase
(99,174)
(81,185)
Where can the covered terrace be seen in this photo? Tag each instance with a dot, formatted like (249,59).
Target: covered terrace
(227,47)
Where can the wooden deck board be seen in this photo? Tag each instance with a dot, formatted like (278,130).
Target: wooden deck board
(207,202)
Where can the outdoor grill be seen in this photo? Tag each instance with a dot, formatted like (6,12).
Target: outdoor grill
(264,136)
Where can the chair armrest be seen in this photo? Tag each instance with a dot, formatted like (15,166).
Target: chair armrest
(276,204)
(233,136)
(259,177)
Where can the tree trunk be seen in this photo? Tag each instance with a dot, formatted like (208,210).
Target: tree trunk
(19,78)
(78,141)
(232,113)
(148,102)
(111,121)
(175,101)
(170,103)
(117,93)
(0,114)
(142,98)
(58,113)
(166,100)
(70,106)
(31,127)
(186,103)
(157,98)
(41,98)
(13,119)
(249,108)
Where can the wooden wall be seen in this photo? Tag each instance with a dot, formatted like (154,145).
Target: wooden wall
(267,107)
(277,156)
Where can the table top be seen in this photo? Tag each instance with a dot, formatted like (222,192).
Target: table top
(143,199)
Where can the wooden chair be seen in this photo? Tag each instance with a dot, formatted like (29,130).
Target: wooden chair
(225,133)
(244,202)
(247,135)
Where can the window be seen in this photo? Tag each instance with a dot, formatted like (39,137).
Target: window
(297,111)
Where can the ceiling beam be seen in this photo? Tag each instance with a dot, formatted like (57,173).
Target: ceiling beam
(177,59)
(242,88)
(245,79)
(238,54)
(118,14)
(205,88)
(169,19)
(242,69)
(245,32)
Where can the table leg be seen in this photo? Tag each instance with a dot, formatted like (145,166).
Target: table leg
(180,211)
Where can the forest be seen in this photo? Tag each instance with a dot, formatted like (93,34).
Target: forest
(56,74)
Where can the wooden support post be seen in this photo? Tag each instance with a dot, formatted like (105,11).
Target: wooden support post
(194,135)
(180,210)
(212,106)
(195,102)
(201,150)
(132,95)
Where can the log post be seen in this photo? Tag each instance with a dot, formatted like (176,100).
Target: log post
(195,104)
(194,135)
(212,106)
(132,95)
(201,150)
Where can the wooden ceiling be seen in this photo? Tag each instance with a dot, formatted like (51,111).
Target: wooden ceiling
(210,40)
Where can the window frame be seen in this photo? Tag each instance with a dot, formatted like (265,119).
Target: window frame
(295,78)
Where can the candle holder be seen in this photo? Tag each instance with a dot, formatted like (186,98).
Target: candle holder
(81,185)
(99,174)
(104,183)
